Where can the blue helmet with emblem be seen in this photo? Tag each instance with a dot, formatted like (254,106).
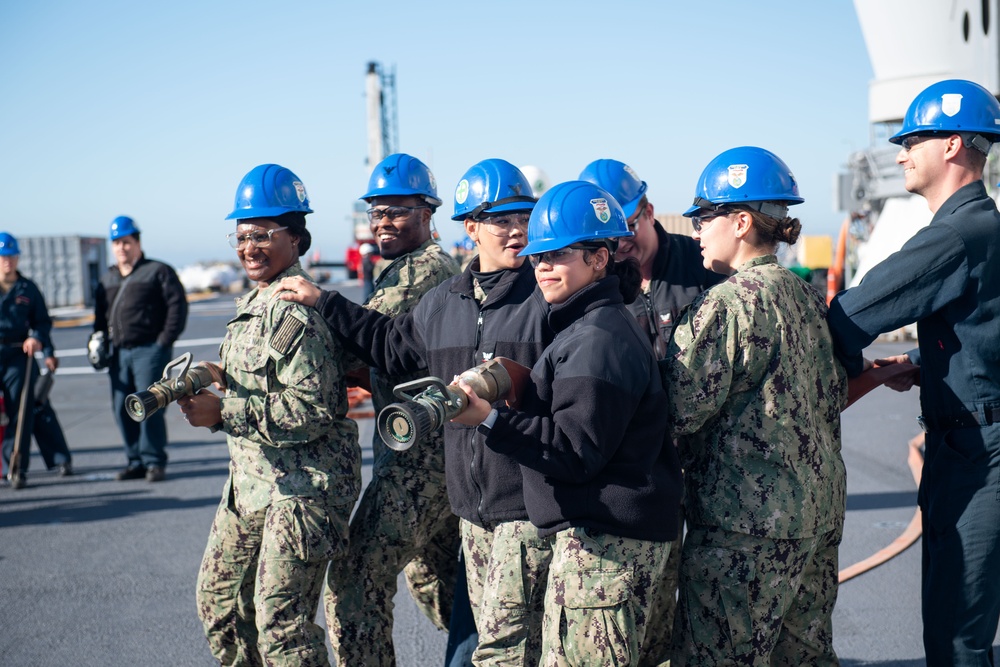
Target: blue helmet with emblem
(492,186)
(749,176)
(402,175)
(122,226)
(575,212)
(267,191)
(954,106)
(8,245)
(619,180)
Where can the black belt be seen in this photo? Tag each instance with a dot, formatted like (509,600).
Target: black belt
(961,420)
(4,340)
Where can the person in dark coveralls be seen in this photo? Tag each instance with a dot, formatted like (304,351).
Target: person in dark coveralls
(672,276)
(141,308)
(492,309)
(404,522)
(47,430)
(25,328)
(295,468)
(601,477)
(946,278)
(755,396)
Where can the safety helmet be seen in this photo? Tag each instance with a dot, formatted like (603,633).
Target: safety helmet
(494,186)
(402,175)
(8,245)
(122,226)
(267,191)
(749,176)
(574,212)
(619,180)
(957,106)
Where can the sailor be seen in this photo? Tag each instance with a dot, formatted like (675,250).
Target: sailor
(403,522)
(295,464)
(755,396)
(601,479)
(25,326)
(947,280)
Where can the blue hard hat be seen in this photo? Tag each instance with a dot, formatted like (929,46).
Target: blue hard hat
(492,186)
(8,245)
(402,175)
(956,106)
(574,212)
(122,226)
(619,180)
(750,176)
(267,191)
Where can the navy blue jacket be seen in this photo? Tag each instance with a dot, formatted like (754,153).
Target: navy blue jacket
(947,280)
(449,332)
(23,314)
(591,436)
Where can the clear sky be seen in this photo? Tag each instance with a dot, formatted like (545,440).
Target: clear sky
(157,110)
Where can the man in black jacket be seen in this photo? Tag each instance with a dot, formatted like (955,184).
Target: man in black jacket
(140,307)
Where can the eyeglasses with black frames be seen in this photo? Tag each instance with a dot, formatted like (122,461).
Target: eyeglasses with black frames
(561,256)
(702,220)
(257,239)
(391,212)
(908,143)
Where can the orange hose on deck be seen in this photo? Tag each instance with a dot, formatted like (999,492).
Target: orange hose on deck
(915,459)
(835,276)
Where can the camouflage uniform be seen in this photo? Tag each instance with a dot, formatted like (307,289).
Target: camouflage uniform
(294,477)
(755,397)
(404,518)
(598,598)
(507,569)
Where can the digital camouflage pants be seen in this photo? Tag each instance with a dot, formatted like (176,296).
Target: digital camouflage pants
(260,582)
(756,601)
(403,521)
(506,570)
(600,589)
(655,650)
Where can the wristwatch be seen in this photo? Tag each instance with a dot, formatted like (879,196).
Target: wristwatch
(487,424)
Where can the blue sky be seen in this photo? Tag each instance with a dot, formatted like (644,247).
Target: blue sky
(157,110)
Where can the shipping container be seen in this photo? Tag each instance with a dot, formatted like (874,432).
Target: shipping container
(66,268)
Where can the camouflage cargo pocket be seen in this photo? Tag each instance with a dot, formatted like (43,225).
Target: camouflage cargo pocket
(597,622)
(715,584)
(309,532)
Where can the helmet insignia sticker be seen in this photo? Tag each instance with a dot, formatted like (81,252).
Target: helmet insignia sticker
(601,209)
(462,191)
(951,104)
(300,190)
(737,175)
(388,170)
(515,188)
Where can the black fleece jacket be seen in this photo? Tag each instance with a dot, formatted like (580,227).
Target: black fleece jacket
(592,439)
(679,275)
(449,332)
(152,306)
